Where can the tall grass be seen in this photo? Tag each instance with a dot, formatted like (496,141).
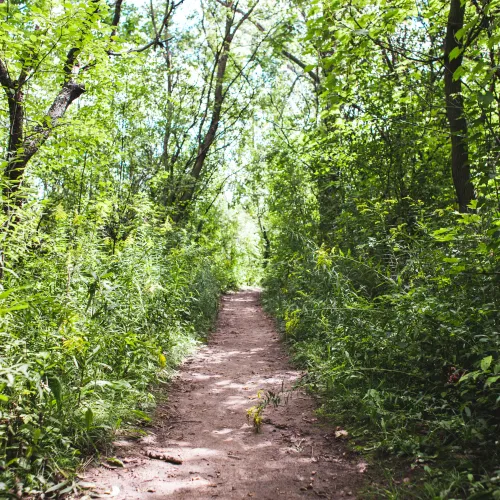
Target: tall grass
(399,334)
(88,327)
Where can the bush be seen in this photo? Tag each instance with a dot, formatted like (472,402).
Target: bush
(399,334)
(88,327)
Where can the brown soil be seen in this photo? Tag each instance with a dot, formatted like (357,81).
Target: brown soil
(205,424)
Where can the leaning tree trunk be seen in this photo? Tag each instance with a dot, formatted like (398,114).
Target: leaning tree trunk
(22,148)
(460,166)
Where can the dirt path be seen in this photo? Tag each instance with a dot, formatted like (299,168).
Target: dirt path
(204,424)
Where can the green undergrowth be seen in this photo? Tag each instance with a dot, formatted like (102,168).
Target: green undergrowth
(400,339)
(87,333)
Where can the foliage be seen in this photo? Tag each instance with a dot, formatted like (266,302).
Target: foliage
(102,293)
(87,332)
(400,348)
(149,157)
(387,296)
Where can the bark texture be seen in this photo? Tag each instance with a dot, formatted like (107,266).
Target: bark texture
(460,166)
(22,147)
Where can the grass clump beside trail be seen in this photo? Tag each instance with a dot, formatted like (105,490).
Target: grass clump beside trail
(85,333)
(403,349)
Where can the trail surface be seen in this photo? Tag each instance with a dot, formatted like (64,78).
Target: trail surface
(204,424)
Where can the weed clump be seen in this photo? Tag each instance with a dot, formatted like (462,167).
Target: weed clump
(400,339)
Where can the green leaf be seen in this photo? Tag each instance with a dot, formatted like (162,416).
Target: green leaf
(115,461)
(36,435)
(460,71)
(467,376)
(455,53)
(444,234)
(56,389)
(6,293)
(493,41)
(89,418)
(491,380)
(486,362)
(56,487)
(17,307)
(484,100)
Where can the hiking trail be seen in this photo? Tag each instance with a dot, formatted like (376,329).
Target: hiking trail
(204,424)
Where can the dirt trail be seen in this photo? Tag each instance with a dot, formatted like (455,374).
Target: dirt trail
(204,423)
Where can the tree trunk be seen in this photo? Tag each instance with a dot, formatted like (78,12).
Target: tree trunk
(208,139)
(460,167)
(15,167)
(187,193)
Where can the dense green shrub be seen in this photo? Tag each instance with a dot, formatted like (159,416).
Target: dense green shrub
(399,333)
(86,333)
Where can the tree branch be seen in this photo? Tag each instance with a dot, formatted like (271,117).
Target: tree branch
(154,43)
(68,93)
(314,76)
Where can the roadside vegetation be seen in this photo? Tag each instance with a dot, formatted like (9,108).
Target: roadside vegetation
(384,259)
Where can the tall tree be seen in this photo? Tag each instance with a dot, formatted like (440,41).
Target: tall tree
(453,58)
(35,41)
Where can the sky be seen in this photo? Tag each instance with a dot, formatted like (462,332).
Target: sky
(182,12)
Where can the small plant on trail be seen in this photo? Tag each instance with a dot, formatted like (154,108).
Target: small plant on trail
(255,414)
(266,398)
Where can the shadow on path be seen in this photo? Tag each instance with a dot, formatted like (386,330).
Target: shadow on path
(204,423)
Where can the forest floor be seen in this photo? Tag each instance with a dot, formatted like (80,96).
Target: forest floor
(203,422)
